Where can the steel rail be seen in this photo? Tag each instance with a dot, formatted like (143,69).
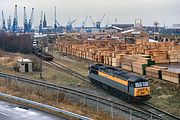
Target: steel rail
(69,71)
(159,112)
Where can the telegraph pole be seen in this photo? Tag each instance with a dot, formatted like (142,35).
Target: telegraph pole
(41,70)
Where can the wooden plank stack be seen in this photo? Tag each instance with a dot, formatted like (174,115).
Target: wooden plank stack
(137,63)
(155,71)
(141,63)
(171,76)
(117,60)
(127,62)
(139,68)
(174,55)
(159,56)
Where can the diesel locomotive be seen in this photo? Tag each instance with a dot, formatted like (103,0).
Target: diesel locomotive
(128,86)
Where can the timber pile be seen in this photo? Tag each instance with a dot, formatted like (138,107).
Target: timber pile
(117,60)
(159,56)
(174,55)
(98,51)
(137,63)
(141,47)
(141,39)
(127,62)
(139,68)
(155,71)
(171,76)
(108,51)
(141,63)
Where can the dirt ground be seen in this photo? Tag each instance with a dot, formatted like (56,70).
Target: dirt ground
(166,96)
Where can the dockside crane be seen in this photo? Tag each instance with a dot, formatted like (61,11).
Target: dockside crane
(156,23)
(15,21)
(98,23)
(44,21)
(3,22)
(31,21)
(84,22)
(55,20)
(57,27)
(25,21)
(107,23)
(69,26)
(92,21)
(41,24)
(9,23)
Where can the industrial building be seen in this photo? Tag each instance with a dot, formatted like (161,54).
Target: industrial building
(25,65)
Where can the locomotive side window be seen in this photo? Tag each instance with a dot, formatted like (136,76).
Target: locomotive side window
(94,71)
(131,84)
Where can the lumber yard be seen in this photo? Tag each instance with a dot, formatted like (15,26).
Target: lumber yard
(89,70)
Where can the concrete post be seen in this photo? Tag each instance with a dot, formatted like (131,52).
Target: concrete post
(57,99)
(112,112)
(84,100)
(130,116)
(97,105)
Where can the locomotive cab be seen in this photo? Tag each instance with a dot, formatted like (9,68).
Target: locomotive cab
(139,87)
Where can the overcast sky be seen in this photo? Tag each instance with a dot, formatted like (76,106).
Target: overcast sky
(126,11)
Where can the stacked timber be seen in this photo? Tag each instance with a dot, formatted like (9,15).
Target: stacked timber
(155,71)
(127,62)
(107,57)
(117,60)
(159,56)
(142,61)
(140,40)
(139,68)
(119,47)
(108,51)
(137,63)
(108,61)
(174,55)
(171,76)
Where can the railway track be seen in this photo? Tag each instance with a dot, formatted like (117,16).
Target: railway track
(69,71)
(109,103)
(146,107)
(156,111)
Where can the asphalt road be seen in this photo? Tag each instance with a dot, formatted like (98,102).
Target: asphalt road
(9,111)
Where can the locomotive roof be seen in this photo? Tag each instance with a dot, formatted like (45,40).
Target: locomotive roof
(118,73)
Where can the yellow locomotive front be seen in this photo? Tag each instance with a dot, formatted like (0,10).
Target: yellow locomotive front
(142,90)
